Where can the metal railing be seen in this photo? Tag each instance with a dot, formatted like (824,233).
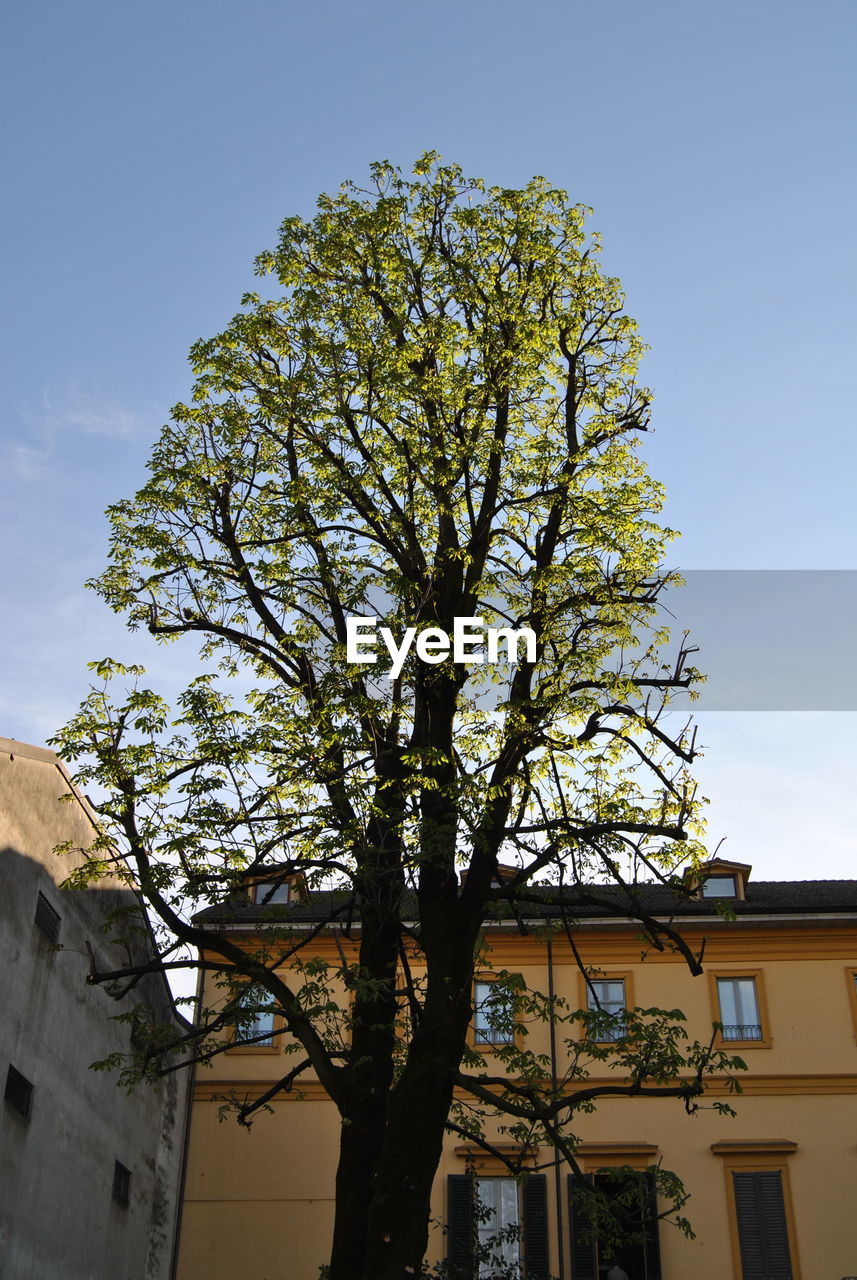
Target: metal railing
(741,1031)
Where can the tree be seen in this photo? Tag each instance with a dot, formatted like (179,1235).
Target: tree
(435,418)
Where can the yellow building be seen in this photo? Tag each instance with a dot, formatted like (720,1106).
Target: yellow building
(772,1190)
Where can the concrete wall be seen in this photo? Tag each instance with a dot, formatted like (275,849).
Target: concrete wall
(259,1204)
(58,1218)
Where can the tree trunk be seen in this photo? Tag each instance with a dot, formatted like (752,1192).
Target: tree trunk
(417,1111)
(360,1141)
(397,1227)
(363,1109)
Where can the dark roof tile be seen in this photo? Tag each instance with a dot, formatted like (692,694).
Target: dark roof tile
(763,897)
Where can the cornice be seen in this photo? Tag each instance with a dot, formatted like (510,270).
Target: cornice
(818,1085)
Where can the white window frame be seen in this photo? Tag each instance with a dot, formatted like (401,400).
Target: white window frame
(712,886)
(263,1020)
(501,1196)
(272,893)
(484,1033)
(597,1002)
(744,998)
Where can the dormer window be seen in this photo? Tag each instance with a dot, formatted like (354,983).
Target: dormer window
(500,876)
(719,879)
(276,886)
(719,886)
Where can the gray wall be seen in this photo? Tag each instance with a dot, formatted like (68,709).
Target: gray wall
(58,1219)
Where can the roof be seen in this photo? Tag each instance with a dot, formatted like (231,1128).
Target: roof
(787,898)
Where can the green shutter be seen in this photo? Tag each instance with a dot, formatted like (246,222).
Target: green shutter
(762,1228)
(651,1223)
(534,1201)
(583,1263)
(459,1225)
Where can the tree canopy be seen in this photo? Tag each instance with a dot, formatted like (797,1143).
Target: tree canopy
(432,415)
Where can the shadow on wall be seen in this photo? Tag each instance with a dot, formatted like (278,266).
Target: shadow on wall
(90,1176)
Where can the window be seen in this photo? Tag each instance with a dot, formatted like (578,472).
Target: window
(19,1092)
(763,1233)
(719,887)
(141,1030)
(739,1009)
(719,879)
(761,1222)
(47,919)
(605,997)
(492,1016)
(121,1184)
(262,1023)
(636,1209)
(258,1021)
(851,980)
(497,1226)
(269,893)
(738,1004)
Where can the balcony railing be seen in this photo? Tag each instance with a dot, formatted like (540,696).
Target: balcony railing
(609,1035)
(741,1031)
(492,1035)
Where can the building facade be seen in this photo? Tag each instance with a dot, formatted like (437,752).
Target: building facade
(771,1188)
(89,1174)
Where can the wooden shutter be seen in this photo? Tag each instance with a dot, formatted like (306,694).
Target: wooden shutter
(583,1263)
(459,1225)
(651,1223)
(762,1228)
(534,1201)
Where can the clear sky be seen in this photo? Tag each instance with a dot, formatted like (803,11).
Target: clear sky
(150,151)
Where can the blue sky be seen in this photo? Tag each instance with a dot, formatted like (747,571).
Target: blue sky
(151,151)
